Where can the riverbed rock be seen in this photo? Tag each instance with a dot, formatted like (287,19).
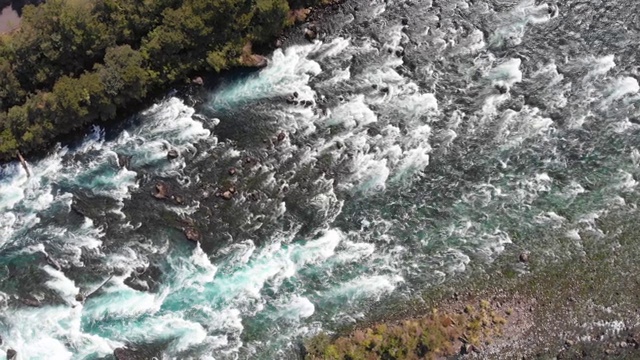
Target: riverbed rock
(569,343)
(192,234)
(468,349)
(255,61)
(80,297)
(161,191)
(179,199)
(232,171)
(197,81)
(524,257)
(123,354)
(172,154)
(281,136)
(12,354)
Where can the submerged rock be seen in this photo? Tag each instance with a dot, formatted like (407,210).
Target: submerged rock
(161,190)
(138,353)
(281,136)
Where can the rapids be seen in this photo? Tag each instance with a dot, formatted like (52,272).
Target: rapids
(425,135)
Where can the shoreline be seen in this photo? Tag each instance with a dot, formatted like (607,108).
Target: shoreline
(583,307)
(193,92)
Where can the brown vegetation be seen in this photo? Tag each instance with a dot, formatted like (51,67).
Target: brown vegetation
(436,335)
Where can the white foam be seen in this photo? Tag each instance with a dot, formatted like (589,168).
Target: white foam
(297,308)
(507,73)
(64,286)
(514,24)
(600,66)
(621,88)
(363,287)
(353,114)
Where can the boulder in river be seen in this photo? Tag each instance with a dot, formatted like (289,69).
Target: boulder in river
(281,136)
(12,354)
(124,161)
(192,234)
(161,190)
(310,33)
(232,171)
(172,154)
(227,195)
(255,61)
(52,262)
(31,301)
(524,257)
(502,89)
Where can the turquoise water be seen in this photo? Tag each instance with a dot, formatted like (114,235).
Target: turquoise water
(394,174)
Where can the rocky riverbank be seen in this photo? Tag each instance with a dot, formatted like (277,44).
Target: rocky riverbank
(583,307)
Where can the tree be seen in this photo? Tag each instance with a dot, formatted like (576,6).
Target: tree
(123,75)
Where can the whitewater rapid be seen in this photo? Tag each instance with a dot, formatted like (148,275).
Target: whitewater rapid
(421,137)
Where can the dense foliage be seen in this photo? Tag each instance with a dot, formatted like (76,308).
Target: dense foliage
(74,62)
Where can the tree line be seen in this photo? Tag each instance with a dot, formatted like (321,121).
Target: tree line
(76,62)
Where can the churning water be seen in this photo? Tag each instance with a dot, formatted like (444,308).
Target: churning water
(424,135)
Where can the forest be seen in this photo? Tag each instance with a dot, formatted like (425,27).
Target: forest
(76,62)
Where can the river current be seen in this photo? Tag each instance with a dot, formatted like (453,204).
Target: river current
(414,138)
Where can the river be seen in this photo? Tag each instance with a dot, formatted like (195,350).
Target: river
(425,135)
